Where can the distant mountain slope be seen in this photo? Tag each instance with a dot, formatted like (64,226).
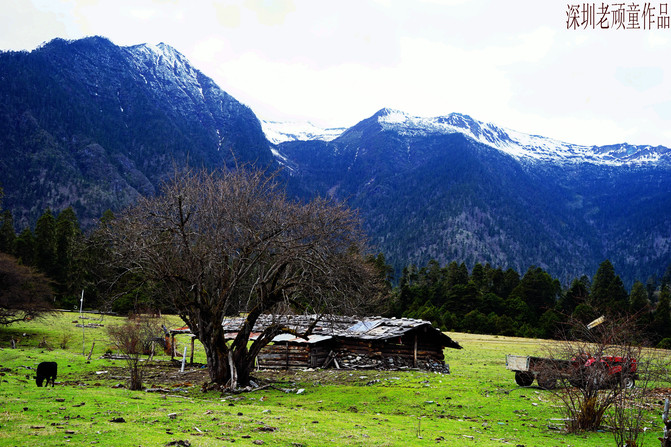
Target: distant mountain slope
(520,145)
(452,188)
(90,124)
(281,132)
(93,125)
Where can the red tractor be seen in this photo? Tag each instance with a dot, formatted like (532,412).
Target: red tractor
(583,371)
(604,371)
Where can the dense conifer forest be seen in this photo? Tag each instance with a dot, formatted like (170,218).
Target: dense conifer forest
(479,299)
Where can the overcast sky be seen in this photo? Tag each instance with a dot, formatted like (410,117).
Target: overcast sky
(334,63)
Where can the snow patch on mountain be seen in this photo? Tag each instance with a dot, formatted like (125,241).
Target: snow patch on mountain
(520,145)
(162,56)
(279,132)
(161,64)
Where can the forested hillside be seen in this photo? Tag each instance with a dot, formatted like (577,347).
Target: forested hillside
(92,125)
(490,300)
(427,194)
(483,299)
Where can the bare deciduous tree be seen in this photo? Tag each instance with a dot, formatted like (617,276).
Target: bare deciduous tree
(24,293)
(134,339)
(603,378)
(231,242)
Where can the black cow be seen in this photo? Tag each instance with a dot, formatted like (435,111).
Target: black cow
(46,370)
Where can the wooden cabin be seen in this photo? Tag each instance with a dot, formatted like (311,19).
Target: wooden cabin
(348,343)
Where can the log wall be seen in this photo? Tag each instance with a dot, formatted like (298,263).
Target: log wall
(382,349)
(303,355)
(292,356)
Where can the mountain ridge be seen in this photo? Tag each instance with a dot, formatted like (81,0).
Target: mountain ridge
(527,147)
(446,195)
(282,131)
(92,125)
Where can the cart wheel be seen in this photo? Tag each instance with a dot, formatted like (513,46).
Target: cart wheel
(523,378)
(547,383)
(628,382)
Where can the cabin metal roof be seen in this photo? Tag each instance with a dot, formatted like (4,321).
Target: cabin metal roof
(368,328)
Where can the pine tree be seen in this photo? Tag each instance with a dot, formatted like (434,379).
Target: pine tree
(94,264)
(478,276)
(461,299)
(457,274)
(608,294)
(405,293)
(25,247)
(7,233)
(538,290)
(45,244)
(638,299)
(510,280)
(502,283)
(386,270)
(661,322)
(666,278)
(577,294)
(67,273)
(651,287)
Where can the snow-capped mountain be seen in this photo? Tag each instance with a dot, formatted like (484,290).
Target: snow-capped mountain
(452,187)
(282,131)
(92,125)
(520,145)
(164,63)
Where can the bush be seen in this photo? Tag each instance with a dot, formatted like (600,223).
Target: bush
(134,339)
(664,344)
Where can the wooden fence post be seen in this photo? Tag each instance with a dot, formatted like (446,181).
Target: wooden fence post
(91,351)
(414,357)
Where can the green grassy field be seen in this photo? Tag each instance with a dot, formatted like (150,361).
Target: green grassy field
(477,404)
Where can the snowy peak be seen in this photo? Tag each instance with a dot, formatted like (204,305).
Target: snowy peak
(155,52)
(163,62)
(280,132)
(647,153)
(520,145)
(453,123)
(162,55)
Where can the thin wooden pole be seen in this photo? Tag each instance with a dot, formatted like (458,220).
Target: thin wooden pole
(414,357)
(81,318)
(183,359)
(91,351)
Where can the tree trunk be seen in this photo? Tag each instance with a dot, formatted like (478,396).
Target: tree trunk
(217,364)
(216,351)
(243,371)
(242,359)
(222,362)
(233,383)
(135,376)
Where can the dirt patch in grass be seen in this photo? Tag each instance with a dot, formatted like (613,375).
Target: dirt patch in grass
(161,374)
(167,375)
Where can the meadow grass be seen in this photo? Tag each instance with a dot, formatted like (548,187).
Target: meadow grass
(477,404)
